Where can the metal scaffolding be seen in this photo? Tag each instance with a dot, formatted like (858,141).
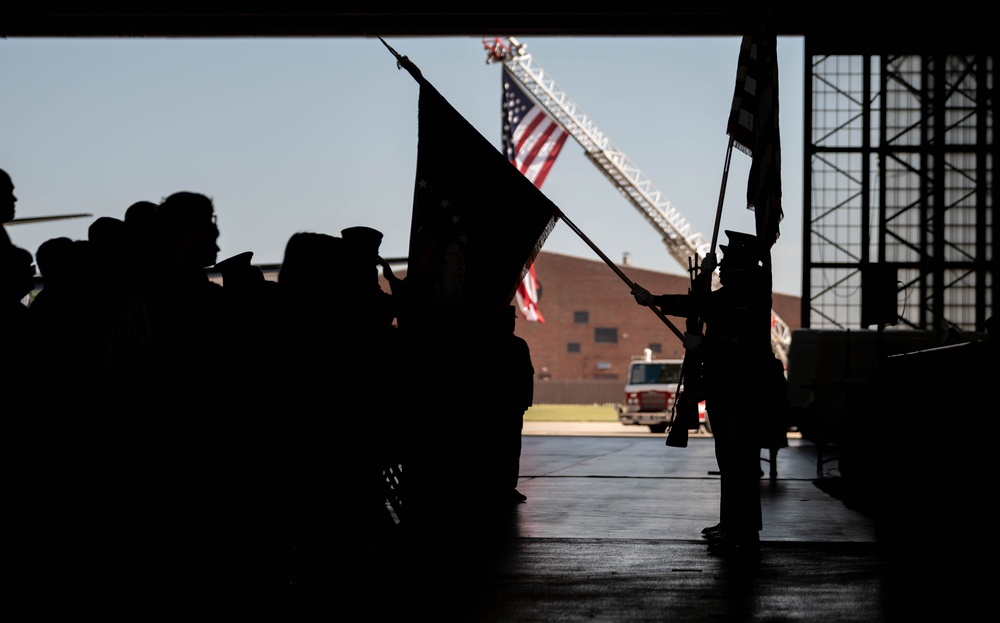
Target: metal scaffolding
(899,224)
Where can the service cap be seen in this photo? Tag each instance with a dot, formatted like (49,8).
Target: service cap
(742,251)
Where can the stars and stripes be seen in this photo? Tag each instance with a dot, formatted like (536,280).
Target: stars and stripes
(531,140)
(527,295)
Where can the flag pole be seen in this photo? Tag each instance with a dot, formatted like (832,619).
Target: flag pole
(722,194)
(617,270)
(690,378)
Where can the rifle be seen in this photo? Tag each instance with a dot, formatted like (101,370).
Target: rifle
(690,386)
(685,409)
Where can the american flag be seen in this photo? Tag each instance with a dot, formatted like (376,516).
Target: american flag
(527,295)
(531,140)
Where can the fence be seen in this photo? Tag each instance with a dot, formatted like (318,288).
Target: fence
(578,392)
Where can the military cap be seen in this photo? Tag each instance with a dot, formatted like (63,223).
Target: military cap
(238,270)
(743,250)
(361,239)
(238,262)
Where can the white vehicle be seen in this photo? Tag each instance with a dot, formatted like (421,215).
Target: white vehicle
(650,392)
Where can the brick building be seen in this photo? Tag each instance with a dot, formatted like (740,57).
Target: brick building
(593,326)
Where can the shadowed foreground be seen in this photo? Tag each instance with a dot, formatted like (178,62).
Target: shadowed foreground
(611,532)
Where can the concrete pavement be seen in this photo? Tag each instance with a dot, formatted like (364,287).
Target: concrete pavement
(611,532)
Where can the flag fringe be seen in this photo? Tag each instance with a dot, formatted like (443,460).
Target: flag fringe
(535,251)
(743,148)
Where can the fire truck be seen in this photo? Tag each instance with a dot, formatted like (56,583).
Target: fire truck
(650,391)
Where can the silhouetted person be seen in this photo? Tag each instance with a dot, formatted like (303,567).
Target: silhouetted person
(25,446)
(109,242)
(737,358)
(62,311)
(249,394)
(17,280)
(188,436)
(120,319)
(372,341)
(774,417)
(361,266)
(7,203)
(65,265)
(141,212)
(311,329)
(512,375)
(122,266)
(85,488)
(184,304)
(140,238)
(250,304)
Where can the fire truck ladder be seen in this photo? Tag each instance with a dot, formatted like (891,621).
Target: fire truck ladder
(680,238)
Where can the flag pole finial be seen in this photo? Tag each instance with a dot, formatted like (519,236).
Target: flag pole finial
(403,62)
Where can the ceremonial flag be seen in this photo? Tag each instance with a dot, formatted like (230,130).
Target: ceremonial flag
(532,140)
(526,297)
(477,222)
(753,125)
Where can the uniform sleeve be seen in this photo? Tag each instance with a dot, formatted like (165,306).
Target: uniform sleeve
(674,304)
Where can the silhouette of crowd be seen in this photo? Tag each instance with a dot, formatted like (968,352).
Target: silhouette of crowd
(172,433)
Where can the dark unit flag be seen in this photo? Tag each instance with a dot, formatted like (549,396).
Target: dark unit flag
(753,125)
(477,224)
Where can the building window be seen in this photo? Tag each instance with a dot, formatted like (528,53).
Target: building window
(656,347)
(581,317)
(573,347)
(606,335)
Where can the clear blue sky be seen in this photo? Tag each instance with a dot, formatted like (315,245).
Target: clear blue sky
(292,135)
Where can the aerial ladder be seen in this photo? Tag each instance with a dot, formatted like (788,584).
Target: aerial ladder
(683,242)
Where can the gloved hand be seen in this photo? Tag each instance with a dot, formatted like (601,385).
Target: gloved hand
(709,263)
(642,295)
(395,283)
(387,270)
(692,341)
